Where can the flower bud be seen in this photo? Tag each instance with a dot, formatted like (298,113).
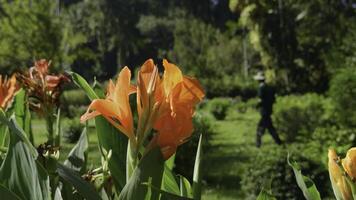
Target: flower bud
(338,180)
(349,163)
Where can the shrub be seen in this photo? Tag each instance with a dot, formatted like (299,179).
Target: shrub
(296,117)
(343,92)
(74,103)
(269,166)
(72,131)
(219,107)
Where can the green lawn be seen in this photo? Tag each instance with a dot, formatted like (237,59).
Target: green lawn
(224,161)
(229,153)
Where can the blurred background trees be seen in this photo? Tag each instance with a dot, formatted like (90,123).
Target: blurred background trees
(300,43)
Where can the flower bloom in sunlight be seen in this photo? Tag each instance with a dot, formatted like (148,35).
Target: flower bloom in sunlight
(338,180)
(349,163)
(8,88)
(164,104)
(178,96)
(116,107)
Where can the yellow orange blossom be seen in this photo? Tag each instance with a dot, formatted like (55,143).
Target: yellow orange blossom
(116,107)
(349,163)
(338,180)
(178,95)
(165,105)
(8,88)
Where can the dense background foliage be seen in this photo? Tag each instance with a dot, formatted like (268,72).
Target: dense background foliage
(306,48)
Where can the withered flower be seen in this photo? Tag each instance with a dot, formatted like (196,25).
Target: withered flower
(43,89)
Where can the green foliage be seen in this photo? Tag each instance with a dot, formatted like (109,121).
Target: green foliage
(77,157)
(342,92)
(73,131)
(19,172)
(29,30)
(150,169)
(308,187)
(296,117)
(219,107)
(74,97)
(265,168)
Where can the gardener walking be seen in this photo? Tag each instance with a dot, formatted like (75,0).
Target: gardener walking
(267,98)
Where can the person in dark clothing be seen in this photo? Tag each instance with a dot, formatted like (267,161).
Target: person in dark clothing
(267,98)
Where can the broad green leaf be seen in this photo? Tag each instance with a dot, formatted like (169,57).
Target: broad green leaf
(265,195)
(169,182)
(77,157)
(165,194)
(84,188)
(305,184)
(22,113)
(109,138)
(150,168)
(3,134)
(197,173)
(19,172)
(82,83)
(185,187)
(7,194)
(170,162)
(15,129)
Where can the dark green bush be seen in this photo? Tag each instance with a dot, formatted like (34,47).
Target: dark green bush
(343,92)
(185,156)
(72,131)
(269,166)
(296,117)
(219,107)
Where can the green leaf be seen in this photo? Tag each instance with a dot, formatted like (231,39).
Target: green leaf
(197,173)
(265,195)
(185,187)
(84,188)
(77,157)
(7,194)
(82,83)
(15,129)
(150,168)
(57,134)
(3,135)
(305,184)
(23,114)
(165,194)
(170,162)
(169,182)
(19,172)
(109,138)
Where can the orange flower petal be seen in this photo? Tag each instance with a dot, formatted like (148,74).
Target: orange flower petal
(171,77)
(116,107)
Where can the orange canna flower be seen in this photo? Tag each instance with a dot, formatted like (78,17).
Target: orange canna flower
(8,88)
(116,107)
(338,180)
(178,96)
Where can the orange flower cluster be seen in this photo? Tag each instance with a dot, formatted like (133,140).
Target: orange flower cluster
(165,104)
(42,86)
(8,88)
